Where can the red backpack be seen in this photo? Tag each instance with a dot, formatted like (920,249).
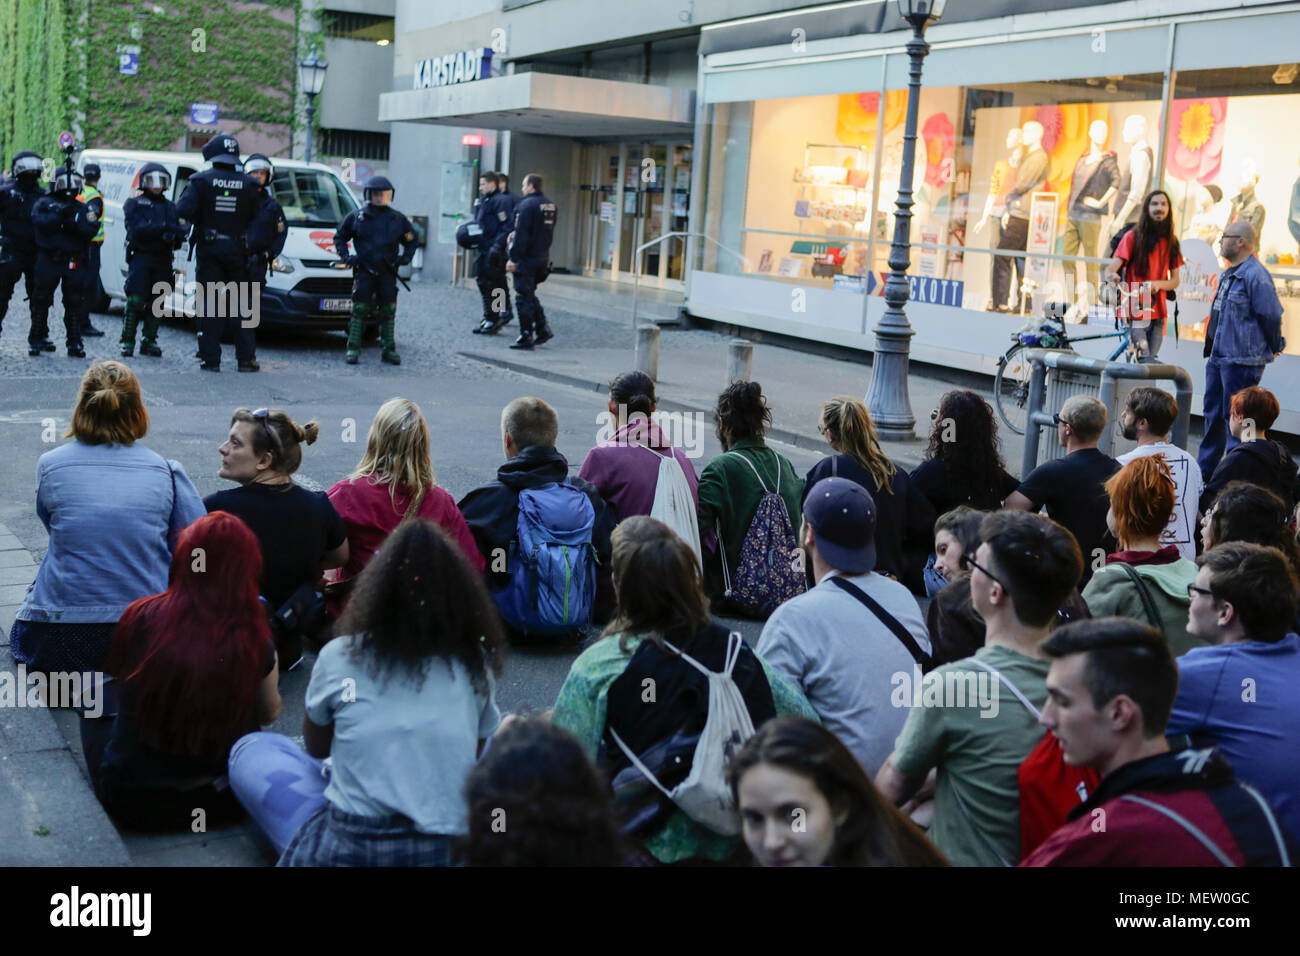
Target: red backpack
(1049,787)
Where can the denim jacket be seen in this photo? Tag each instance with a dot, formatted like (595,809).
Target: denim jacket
(113,513)
(1249,330)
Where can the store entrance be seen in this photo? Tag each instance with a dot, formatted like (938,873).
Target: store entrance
(632,193)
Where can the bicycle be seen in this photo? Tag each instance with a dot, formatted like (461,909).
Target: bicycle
(1011,384)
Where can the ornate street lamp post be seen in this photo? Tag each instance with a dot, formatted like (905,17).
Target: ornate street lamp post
(887,398)
(311,76)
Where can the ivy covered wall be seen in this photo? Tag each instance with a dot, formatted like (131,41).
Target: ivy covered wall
(39,57)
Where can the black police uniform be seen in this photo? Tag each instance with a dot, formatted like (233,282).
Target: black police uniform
(495,215)
(268,231)
(94,293)
(529,248)
(377,232)
(153,233)
(18,234)
(221,203)
(64,228)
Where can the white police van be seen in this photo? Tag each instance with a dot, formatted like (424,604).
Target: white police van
(302,289)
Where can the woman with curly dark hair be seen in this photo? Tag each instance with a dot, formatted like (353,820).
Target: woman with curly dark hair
(536,800)
(401,704)
(804,800)
(1254,514)
(963,465)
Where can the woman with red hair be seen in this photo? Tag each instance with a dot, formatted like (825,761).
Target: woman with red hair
(194,670)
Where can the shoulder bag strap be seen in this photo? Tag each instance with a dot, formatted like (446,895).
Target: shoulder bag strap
(761,483)
(984,665)
(1144,595)
(885,617)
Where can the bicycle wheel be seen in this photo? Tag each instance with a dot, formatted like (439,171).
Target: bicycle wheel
(1011,388)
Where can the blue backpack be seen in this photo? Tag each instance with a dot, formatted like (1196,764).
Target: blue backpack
(552,566)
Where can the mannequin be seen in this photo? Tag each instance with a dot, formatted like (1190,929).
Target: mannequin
(1094,183)
(1293,217)
(1136,181)
(1244,205)
(1031,174)
(1002,179)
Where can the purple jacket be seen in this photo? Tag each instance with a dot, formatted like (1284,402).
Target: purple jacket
(626,472)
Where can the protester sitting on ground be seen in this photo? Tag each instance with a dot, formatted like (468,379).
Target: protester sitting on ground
(300,532)
(1246,512)
(625,469)
(536,800)
(804,800)
(1149,413)
(843,641)
(963,463)
(662,616)
(733,484)
(904,516)
(1072,488)
(401,704)
(955,629)
(1257,458)
(529,429)
(1144,580)
(113,510)
(194,670)
(1024,569)
(393,482)
(1238,694)
(1111,686)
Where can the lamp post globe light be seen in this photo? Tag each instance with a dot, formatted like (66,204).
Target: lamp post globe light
(887,398)
(311,77)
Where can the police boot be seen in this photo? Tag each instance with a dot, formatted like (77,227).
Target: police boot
(149,334)
(387,327)
(75,350)
(544,335)
(356,327)
(524,341)
(135,307)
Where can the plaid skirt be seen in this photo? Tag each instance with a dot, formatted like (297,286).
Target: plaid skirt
(334,838)
(52,647)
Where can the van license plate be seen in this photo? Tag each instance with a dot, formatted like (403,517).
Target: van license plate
(336,305)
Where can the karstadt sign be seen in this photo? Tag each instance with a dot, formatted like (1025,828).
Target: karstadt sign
(463,67)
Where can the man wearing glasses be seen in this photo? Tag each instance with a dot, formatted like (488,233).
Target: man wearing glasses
(1243,335)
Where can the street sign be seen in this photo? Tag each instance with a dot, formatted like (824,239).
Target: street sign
(204,114)
(66,139)
(128,60)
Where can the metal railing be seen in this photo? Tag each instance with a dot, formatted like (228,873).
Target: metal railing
(636,256)
(1110,375)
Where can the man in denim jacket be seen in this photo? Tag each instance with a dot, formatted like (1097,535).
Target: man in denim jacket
(1244,334)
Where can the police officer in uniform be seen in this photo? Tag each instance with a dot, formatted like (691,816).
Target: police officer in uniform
(528,250)
(494,217)
(18,234)
(153,233)
(269,230)
(221,203)
(91,195)
(64,228)
(377,229)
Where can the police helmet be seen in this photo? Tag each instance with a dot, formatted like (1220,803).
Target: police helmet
(377,184)
(90,171)
(155,176)
(257,161)
(469,235)
(66,181)
(222,150)
(28,163)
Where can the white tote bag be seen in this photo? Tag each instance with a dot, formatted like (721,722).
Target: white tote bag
(673,504)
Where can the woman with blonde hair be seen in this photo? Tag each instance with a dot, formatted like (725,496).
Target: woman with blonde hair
(393,482)
(904,516)
(114,511)
(1145,579)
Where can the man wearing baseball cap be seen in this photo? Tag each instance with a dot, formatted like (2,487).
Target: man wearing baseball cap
(843,640)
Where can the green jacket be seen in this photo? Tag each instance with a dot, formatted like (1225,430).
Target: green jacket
(729,496)
(1112,592)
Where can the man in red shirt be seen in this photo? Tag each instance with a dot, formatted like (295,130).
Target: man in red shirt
(1111,688)
(1146,266)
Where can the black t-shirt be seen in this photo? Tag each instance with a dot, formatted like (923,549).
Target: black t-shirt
(946,491)
(295,527)
(1071,488)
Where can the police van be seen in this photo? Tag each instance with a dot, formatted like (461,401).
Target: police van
(302,290)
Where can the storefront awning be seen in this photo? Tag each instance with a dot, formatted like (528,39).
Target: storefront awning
(548,104)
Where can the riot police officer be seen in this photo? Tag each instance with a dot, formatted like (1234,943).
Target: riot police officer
(528,250)
(91,195)
(494,217)
(64,228)
(268,232)
(221,203)
(377,229)
(153,233)
(18,234)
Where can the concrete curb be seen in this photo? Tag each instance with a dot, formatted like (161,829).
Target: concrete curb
(51,815)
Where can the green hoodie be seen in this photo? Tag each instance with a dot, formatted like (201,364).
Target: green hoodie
(1112,592)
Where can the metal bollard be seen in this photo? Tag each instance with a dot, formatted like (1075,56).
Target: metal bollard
(740,360)
(647,350)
